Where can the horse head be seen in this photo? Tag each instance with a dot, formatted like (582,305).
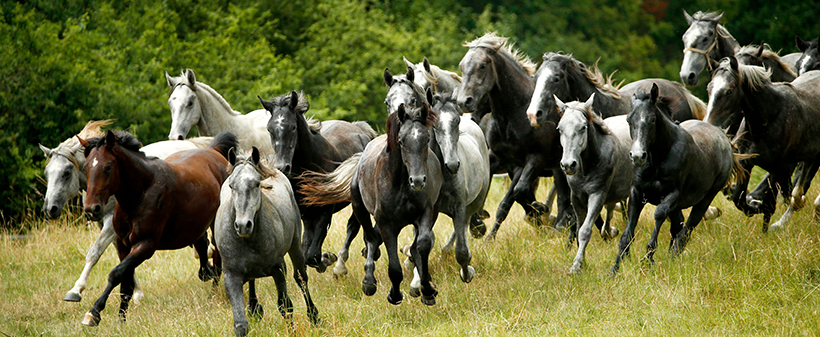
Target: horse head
(447,130)
(63,177)
(724,92)
(402,90)
(185,108)
(246,193)
(550,81)
(478,76)
(699,43)
(408,130)
(287,111)
(574,132)
(643,124)
(810,60)
(102,172)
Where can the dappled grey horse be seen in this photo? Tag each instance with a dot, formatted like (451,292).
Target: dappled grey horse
(705,40)
(65,179)
(596,162)
(256,225)
(810,59)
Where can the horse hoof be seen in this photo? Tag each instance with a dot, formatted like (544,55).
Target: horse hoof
(415,292)
(138,296)
(468,276)
(206,273)
(72,297)
(256,310)
(776,227)
(90,319)
(395,301)
(369,289)
(712,213)
(428,300)
(574,270)
(619,208)
(340,269)
(477,227)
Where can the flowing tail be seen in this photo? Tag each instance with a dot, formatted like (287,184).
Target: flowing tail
(201,142)
(696,105)
(368,130)
(738,172)
(329,188)
(224,142)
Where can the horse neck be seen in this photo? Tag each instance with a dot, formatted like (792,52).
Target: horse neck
(761,106)
(511,94)
(592,153)
(136,175)
(605,105)
(312,149)
(216,117)
(778,73)
(726,45)
(667,133)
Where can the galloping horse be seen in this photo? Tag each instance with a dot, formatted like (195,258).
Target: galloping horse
(781,120)
(161,205)
(256,224)
(810,59)
(763,56)
(492,68)
(398,180)
(676,167)
(195,103)
(303,144)
(596,161)
(65,177)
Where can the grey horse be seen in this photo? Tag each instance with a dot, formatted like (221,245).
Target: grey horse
(256,224)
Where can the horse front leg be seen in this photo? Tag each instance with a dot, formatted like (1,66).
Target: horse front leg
(634,208)
(782,181)
(138,254)
(462,250)
(389,237)
(506,203)
(668,205)
(422,246)
(106,237)
(206,272)
(564,213)
(371,237)
(524,193)
(695,216)
(233,288)
(590,211)
(300,275)
(316,225)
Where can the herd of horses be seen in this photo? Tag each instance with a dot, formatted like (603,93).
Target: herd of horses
(273,190)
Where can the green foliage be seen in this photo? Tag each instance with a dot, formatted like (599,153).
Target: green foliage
(64,62)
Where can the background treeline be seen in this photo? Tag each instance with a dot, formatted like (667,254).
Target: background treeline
(63,63)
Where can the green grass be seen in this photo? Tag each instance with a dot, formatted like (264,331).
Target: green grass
(731,280)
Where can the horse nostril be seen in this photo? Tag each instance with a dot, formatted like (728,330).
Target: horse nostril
(249,224)
(539,113)
(691,76)
(53,210)
(424,180)
(469,101)
(180,137)
(97,209)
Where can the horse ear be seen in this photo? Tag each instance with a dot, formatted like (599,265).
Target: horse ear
(265,104)
(408,63)
(654,92)
(717,19)
(429,96)
(170,80)
(588,103)
(425,112)
(307,104)
(189,74)
(426,64)
(411,75)
(232,156)
(110,139)
(388,77)
(46,150)
(800,43)
(401,113)
(760,50)
(714,64)
(688,17)
(559,104)
(294,100)
(83,142)
(255,155)
(733,63)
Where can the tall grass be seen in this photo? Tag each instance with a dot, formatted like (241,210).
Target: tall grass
(731,280)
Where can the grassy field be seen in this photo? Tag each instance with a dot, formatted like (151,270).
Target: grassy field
(731,280)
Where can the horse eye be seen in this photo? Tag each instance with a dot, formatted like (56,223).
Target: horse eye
(66,174)
(190,104)
(256,185)
(729,91)
(107,169)
(482,66)
(556,79)
(711,33)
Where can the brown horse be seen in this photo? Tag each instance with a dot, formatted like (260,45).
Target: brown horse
(162,204)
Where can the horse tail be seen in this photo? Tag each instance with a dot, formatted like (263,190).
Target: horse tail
(738,172)
(696,105)
(224,142)
(330,188)
(368,130)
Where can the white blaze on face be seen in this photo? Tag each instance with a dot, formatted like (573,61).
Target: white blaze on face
(94,163)
(540,84)
(719,84)
(804,67)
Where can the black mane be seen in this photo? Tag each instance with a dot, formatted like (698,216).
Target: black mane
(124,139)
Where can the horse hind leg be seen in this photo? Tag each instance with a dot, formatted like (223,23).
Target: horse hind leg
(284,303)
(206,272)
(300,275)
(608,231)
(254,307)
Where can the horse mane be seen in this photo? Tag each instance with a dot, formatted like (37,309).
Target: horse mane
(767,54)
(753,76)
(302,106)
(707,16)
(263,167)
(501,44)
(593,74)
(663,104)
(433,75)
(393,124)
(92,129)
(592,117)
(124,138)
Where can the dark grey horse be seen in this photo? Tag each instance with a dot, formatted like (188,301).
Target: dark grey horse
(596,161)
(256,225)
(676,167)
(810,59)
(763,56)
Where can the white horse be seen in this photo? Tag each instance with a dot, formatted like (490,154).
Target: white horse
(65,178)
(197,104)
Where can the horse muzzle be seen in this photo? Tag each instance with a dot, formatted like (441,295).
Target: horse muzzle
(638,158)
(569,167)
(52,212)
(689,78)
(418,183)
(94,212)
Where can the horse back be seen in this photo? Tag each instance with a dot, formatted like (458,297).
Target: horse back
(345,138)
(710,158)
(684,106)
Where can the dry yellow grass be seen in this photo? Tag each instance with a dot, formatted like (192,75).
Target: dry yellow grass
(731,280)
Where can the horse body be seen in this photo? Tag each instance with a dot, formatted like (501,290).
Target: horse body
(490,68)
(65,175)
(781,120)
(677,166)
(305,145)
(154,203)
(596,162)
(705,40)
(195,103)
(257,223)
